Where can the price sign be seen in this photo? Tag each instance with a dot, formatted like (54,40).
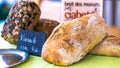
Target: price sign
(31,42)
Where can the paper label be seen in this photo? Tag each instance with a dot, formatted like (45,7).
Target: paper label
(72,9)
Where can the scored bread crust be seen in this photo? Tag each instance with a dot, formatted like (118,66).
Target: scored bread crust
(70,41)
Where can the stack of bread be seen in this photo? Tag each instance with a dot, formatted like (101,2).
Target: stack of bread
(25,15)
(67,42)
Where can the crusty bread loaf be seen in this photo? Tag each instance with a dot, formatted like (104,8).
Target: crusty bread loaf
(110,46)
(113,31)
(24,15)
(46,26)
(70,41)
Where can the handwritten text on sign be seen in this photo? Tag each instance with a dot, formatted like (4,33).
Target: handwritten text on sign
(31,42)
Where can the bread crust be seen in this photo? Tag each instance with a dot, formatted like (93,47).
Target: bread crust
(24,15)
(45,26)
(110,46)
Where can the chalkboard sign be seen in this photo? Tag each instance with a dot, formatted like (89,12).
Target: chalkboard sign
(31,42)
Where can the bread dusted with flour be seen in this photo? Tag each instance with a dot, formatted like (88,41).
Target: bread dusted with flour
(70,41)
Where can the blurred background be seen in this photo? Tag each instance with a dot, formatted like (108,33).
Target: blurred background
(52,9)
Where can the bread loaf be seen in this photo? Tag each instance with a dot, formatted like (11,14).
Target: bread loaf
(46,26)
(110,46)
(24,15)
(70,41)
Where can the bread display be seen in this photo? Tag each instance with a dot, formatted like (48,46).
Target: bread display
(70,41)
(110,46)
(23,15)
(67,42)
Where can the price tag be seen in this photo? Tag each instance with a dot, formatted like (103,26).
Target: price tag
(31,42)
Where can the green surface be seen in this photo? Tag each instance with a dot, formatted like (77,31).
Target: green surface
(90,61)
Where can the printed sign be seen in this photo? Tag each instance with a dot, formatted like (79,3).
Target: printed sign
(72,9)
(31,42)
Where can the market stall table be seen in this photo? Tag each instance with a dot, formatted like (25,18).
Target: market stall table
(90,61)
